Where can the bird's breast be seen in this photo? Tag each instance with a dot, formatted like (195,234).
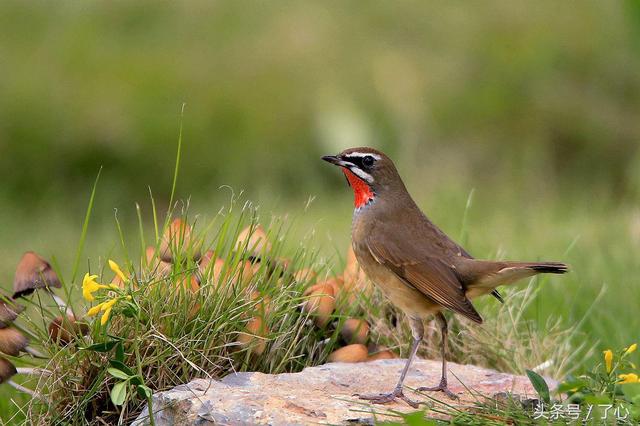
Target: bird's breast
(403,296)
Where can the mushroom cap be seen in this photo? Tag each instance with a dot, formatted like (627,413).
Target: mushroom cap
(178,237)
(321,303)
(12,341)
(254,241)
(62,332)
(207,257)
(254,335)
(189,282)
(32,273)
(7,370)
(156,265)
(349,353)
(8,312)
(306,274)
(355,330)
(382,354)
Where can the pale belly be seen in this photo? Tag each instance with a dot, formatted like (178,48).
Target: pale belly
(406,298)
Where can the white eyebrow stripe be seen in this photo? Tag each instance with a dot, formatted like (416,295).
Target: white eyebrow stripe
(363,154)
(363,175)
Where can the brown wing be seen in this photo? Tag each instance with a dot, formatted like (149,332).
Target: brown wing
(429,275)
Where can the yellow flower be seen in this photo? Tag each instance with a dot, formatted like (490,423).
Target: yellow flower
(93,311)
(90,286)
(104,306)
(628,378)
(116,268)
(608,359)
(105,316)
(631,349)
(108,304)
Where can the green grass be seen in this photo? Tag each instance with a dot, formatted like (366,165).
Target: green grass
(523,333)
(557,321)
(167,343)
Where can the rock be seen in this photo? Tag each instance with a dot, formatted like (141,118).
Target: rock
(322,394)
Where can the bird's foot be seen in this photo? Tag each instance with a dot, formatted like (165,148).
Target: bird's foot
(442,387)
(385,398)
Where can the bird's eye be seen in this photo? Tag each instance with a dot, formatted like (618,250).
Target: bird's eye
(368,161)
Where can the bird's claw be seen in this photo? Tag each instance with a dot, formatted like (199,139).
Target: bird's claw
(442,387)
(385,398)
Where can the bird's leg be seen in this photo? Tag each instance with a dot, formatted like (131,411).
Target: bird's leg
(417,330)
(442,387)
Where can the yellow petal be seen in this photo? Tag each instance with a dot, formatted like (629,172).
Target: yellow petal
(116,268)
(105,316)
(631,349)
(91,312)
(608,360)
(86,287)
(108,304)
(628,378)
(89,286)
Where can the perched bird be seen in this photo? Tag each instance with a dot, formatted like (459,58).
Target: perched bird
(415,265)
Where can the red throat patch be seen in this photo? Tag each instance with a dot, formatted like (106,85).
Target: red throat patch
(362,193)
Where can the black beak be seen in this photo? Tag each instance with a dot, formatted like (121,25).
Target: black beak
(331,159)
(334,159)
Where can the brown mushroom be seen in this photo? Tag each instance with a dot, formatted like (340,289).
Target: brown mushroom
(255,332)
(12,341)
(242,274)
(32,273)
(62,331)
(321,303)
(8,312)
(263,303)
(306,274)
(283,263)
(189,283)
(7,370)
(355,279)
(178,241)
(254,241)
(349,353)
(382,354)
(157,266)
(355,331)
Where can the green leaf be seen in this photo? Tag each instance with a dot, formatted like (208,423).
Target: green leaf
(566,387)
(129,311)
(121,366)
(144,391)
(118,374)
(539,385)
(120,352)
(101,347)
(119,393)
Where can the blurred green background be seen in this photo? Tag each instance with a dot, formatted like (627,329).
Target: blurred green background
(533,105)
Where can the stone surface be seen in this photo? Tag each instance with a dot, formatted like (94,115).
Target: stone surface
(319,395)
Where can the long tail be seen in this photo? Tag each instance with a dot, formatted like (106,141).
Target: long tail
(486,275)
(542,267)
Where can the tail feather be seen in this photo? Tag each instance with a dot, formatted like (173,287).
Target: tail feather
(548,267)
(487,275)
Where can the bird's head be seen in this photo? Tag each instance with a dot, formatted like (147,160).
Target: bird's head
(369,172)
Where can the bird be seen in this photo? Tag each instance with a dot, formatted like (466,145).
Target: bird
(417,267)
